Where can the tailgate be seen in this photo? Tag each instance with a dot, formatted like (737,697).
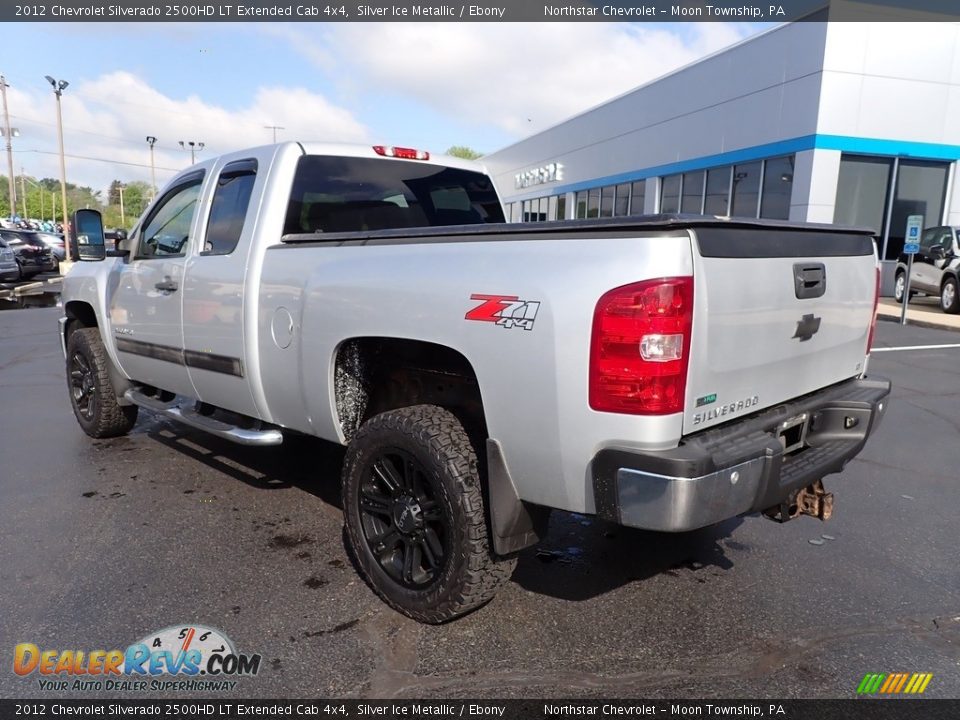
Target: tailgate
(778,313)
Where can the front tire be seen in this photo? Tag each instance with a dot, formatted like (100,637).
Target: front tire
(413,507)
(949,301)
(92,396)
(900,286)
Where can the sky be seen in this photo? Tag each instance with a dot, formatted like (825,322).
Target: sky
(430,85)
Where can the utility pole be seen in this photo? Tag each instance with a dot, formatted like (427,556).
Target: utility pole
(274,128)
(153,173)
(123,218)
(8,135)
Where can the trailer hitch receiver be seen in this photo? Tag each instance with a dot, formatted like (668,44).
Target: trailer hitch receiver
(812,500)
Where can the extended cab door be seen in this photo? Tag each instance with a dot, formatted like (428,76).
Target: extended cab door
(145,305)
(221,284)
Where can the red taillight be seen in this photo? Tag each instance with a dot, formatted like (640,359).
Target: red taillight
(873,324)
(399,152)
(640,347)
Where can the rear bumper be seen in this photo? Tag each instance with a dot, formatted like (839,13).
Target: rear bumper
(739,467)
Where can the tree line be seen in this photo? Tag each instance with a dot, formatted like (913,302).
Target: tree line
(39,199)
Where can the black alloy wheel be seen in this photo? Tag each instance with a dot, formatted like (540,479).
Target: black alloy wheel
(92,395)
(401,520)
(414,514)
(83,386)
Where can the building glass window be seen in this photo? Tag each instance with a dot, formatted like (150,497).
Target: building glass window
(551,208)
(593,203)
(638,196)
(692,201)
(561,212)
(921,189)
(862,189)
(621,205)
(582,204)
(718,191)
(777,188)
(746,190)
(670,194)
(606,201)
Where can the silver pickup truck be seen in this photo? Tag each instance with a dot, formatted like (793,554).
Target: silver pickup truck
(664,372)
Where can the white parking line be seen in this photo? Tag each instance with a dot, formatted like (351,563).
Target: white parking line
(917,347)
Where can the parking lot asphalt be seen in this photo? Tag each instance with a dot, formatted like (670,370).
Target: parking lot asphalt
(103,542)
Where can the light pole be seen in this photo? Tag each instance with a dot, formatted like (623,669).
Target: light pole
(36,185)
(195,147)
(153,173)
(58,87)
(8,133)
(274,128)
(123,217)
(23,191)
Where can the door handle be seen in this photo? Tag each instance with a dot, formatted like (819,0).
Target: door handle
(167,285)
(809,280)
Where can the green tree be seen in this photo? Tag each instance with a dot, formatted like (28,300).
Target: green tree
(462,151)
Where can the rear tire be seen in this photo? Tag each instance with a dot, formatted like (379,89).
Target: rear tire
(92,396)
(413,507)
(949,301)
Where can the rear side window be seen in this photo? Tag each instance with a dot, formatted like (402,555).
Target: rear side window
(230,202)
(337,194)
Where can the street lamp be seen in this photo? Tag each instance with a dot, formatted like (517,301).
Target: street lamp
(274,128)
(195,147)
(153,173)
(58,87)
(9,133)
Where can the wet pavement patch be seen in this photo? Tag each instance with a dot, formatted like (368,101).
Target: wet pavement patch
(282,541)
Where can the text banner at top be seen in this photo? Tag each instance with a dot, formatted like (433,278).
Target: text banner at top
(482,11)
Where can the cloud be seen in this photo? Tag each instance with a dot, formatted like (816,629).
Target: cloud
(107,119)
(518,77)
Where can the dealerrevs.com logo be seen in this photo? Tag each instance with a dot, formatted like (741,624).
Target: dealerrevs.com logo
(180,657)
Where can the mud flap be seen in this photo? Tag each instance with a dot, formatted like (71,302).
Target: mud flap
(515,524)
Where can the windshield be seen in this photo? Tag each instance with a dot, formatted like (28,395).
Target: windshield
(343,194)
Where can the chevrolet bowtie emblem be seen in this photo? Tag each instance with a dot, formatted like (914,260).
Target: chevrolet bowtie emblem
(807,327)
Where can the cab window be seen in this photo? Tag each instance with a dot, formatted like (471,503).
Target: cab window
(229,208)
(167,231)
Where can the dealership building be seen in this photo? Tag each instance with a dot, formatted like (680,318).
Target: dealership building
(836,122)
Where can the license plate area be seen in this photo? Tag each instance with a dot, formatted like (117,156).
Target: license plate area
(792,433)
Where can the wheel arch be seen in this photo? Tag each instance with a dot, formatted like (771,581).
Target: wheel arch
(81,314)
(374,374)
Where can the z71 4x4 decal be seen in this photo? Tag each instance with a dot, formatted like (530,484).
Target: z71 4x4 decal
(505,310)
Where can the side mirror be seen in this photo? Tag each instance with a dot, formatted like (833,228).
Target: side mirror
(937,252)
(87,237)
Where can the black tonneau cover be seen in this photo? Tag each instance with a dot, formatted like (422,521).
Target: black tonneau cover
(789,238)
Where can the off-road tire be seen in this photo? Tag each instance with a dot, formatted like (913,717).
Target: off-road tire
(98,412)
(435,440)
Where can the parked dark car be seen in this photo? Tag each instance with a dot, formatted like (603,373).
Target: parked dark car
(32,254)
(9,269)
(936,268)
(55,243)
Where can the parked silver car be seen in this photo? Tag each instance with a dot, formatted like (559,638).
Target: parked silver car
(936,269)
